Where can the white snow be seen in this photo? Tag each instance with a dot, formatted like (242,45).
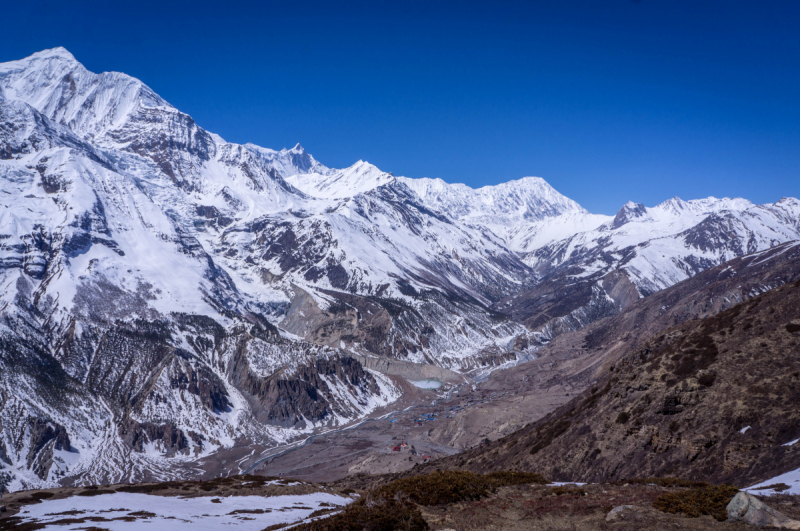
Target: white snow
(336,184)
(180,513)
(427,384)
(792,479)
(743,430)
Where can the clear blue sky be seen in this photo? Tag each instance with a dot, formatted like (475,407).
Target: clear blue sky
(609,101)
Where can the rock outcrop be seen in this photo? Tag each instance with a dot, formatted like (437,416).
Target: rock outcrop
(749,509)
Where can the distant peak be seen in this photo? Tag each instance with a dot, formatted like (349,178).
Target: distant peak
(627,213)
(299,148)
(674,204)
(57,52)
(530,179)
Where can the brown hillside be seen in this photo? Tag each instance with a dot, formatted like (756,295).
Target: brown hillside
(677,405)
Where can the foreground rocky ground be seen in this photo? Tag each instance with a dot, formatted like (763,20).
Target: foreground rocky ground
(449,500)
(586,507)
(252,502)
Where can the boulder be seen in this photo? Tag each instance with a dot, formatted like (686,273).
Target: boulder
(749,509)
(632,514)
(616,513)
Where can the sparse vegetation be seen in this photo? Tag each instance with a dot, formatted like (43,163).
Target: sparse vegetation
(777,487)
(96,492)
(36,497)
(372,515)
(506,477)
(438,488)
(566,490)
(669,483)
(711,500)
(394,505)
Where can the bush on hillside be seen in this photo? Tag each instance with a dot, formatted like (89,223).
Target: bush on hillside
(508,477)
(452,486)
(712,500)
(669,483)
(371,515)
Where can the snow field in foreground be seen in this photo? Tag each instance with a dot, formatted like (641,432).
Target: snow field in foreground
(180,513)
(790,478)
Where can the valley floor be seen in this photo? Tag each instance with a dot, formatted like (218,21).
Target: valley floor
(432,423)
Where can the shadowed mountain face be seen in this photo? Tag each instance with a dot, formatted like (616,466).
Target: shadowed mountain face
(167,295)
(713,398)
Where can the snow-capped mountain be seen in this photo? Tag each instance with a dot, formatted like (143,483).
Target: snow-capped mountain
(642,250)
(670,242)
(146,263)
(168,296)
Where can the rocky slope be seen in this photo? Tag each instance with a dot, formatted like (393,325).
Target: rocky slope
(710,399)
(576,361)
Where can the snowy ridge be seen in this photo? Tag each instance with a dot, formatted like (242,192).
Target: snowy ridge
(660,246)
(338,184)
(528,206)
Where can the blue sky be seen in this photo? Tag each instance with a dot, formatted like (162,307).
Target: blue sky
(609,101)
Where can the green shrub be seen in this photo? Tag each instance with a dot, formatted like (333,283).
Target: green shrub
(97,492)
(564,489)
(712,500)
(777,487)
(372,515)
(507,477)
(35,497)
(664,482)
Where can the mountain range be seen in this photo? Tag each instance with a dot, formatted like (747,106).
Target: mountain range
(167,295)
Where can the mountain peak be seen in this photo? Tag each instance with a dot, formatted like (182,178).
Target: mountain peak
(58,52)
(359,178)
(628,213)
